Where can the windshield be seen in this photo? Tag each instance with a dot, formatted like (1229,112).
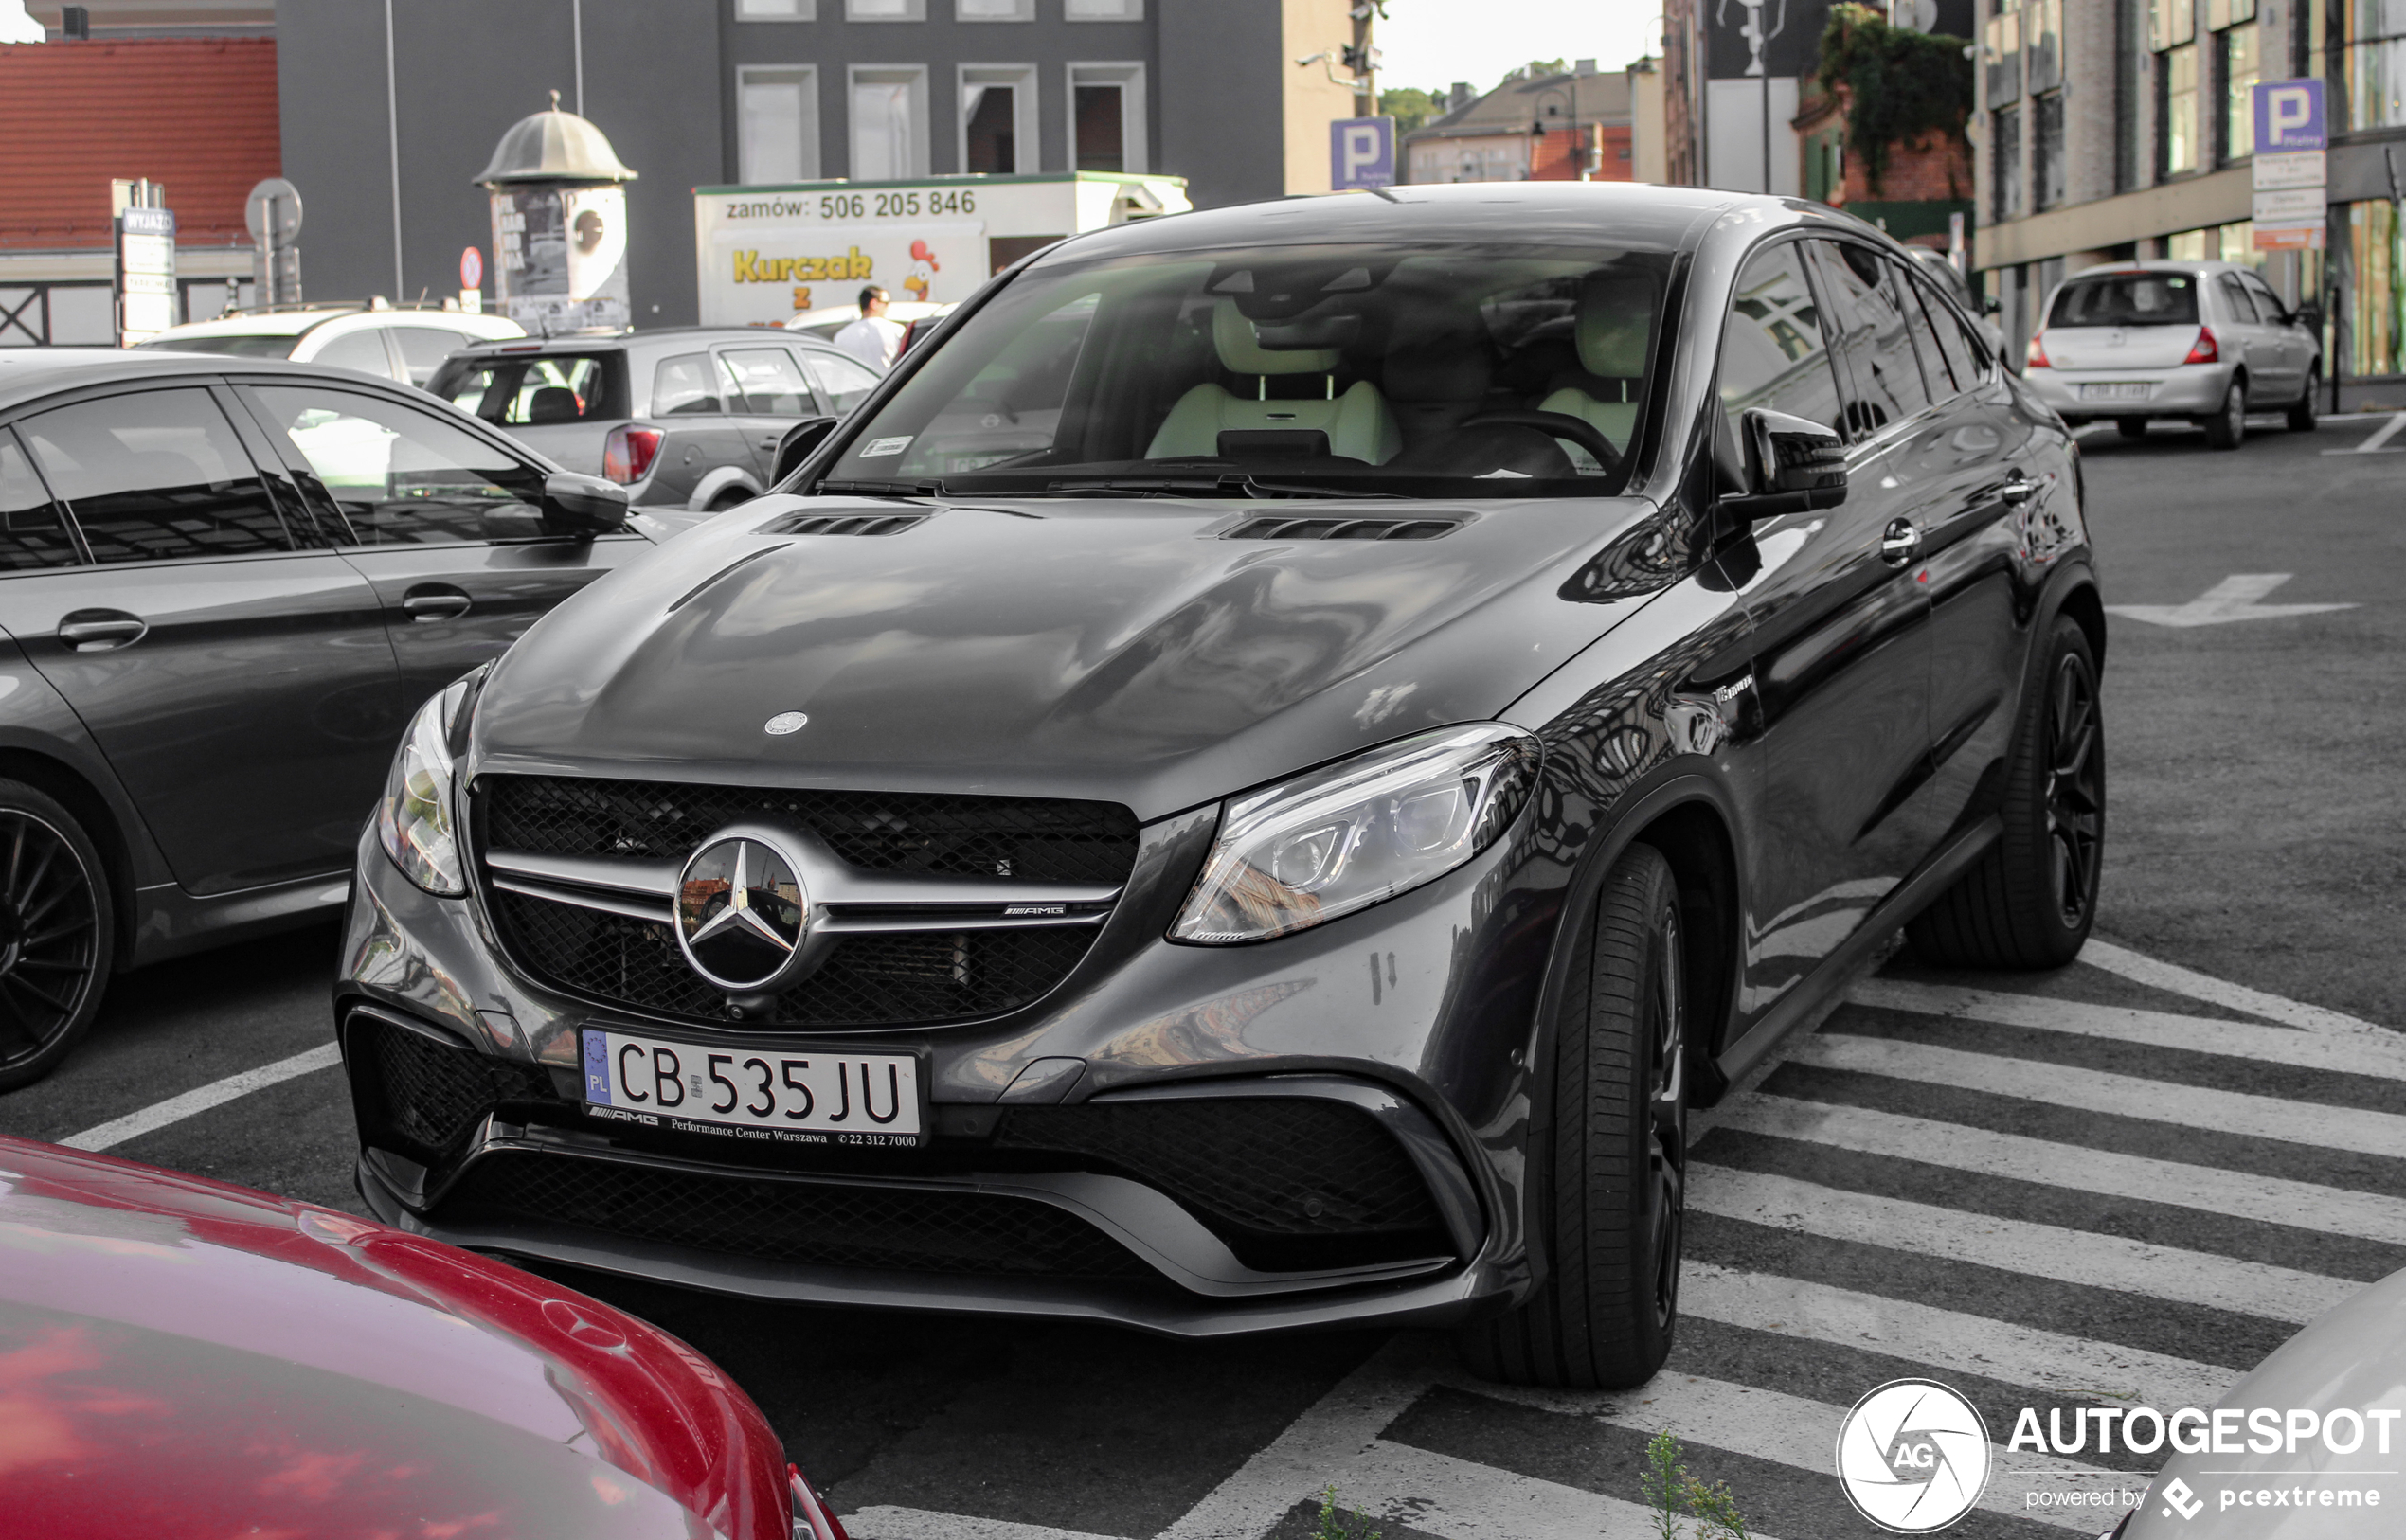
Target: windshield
(1458,370)
(230,347)
(2128,300)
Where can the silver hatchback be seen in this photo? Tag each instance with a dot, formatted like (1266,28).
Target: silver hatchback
(2200,342)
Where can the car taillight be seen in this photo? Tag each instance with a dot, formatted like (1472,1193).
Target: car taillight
(2203,350)
(811,1521)
(2034,356)
(627,454)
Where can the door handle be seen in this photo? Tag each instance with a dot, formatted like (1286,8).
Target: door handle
(98,630)
(1899,543)
(2016,490)
(432,602)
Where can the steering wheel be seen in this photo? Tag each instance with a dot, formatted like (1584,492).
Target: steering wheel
(1562,425)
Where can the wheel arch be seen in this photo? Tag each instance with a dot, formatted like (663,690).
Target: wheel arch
(716,481)
(68,786)
(2082,602)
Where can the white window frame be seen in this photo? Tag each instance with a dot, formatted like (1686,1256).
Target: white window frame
(777,10)
(1021,10)
(1121,11)
(1129,74)
(915,76)
(1022,81)
(806,76)
(913,10)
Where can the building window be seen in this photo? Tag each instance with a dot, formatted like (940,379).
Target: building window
(889,123)
(2187,246)
(1102,11)
(885,10)
(2046,151)
(993,11)
(2240,72)
(1106,118)
(997,119)
(777,124)
(2177,92)
(777,10)
(2001,54)
(2170,22)
(2042,43)
(2376,62)
(2006,142)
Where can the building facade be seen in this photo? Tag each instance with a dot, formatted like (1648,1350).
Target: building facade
(1573,127)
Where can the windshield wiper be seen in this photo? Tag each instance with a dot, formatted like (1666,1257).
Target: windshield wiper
(1220,486)
(886,489)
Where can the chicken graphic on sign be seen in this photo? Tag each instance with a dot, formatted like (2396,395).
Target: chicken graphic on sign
(923,268)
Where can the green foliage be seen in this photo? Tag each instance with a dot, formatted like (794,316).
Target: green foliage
(1410,107)
(1536,70)
(1337,1525)
(1671,1494)
(1900,84)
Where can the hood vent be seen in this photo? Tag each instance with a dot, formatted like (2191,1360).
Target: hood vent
(1327,529)
(845,524)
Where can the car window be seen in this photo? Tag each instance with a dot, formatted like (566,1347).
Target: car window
(1877,360)
(685,385)
(32,532)
(154,476)
(2236,298)
(425,348)
(763,382)
(2270,307)
(362,351)
(1942,381)
(400,475)
(845,381)
(1966,359)
(533,392)
(1773,354)
(2144,298)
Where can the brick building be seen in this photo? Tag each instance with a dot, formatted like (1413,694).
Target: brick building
(1571,127)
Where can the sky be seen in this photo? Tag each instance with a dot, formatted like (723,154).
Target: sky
(1432,43)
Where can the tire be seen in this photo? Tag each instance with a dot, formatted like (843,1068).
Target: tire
(2130,427)
(2030,901)
(57,938)
(1603,1316)
(2303,417)
(2227,428)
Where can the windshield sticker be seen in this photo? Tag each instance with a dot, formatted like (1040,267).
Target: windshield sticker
(880,448)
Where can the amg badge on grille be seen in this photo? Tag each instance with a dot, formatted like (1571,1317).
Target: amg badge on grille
(741,912)
(786,722)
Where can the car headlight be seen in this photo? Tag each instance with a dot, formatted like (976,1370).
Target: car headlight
(414,819)
(1357,832)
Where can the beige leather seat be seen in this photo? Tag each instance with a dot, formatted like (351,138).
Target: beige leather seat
(1358,425)
(1616,316)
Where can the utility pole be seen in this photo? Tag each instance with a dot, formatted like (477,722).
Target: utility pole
(1363,60)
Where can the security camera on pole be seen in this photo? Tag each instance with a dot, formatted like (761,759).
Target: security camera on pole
(558,225)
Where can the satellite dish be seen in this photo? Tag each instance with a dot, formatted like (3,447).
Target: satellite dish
(273,212)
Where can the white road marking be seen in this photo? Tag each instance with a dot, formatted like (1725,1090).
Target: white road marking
(2310,1124)
(2232,598)
(2381,1057)
(2015,1245)
(889,1523)
(1461,1500)
(2172,977)
(215,1094)
(2373,445)
(1946,1338)
(2268,1200)
(1302,1459)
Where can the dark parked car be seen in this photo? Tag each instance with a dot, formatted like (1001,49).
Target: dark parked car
(1460,674)
(189,1358)
(224,583)
(688,421)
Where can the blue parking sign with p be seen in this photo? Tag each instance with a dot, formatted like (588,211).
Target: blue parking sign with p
(2289,116)
(1361,153)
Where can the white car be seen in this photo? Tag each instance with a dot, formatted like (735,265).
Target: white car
(405,345)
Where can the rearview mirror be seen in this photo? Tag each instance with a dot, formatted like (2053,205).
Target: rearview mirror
(1792,464)
(797,445)
(583,505)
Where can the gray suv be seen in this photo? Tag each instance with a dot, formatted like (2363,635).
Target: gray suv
(688,418)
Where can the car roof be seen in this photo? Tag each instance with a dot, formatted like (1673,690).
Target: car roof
(597,341)
(291,323)
(2163,265)
(28,374)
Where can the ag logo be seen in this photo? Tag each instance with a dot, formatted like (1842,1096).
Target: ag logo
(1912,1457)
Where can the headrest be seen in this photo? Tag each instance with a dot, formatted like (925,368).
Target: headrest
(553,404)
(1616,315)
(1241,351)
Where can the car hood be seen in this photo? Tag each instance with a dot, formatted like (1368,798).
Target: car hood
(182,1357)
(1122,650)
(2352,1357)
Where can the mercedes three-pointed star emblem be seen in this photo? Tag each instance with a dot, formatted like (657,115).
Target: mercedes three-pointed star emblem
(741,912)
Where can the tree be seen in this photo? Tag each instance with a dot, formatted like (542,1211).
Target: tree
(1410,107)
(1536,70)
(1898,84)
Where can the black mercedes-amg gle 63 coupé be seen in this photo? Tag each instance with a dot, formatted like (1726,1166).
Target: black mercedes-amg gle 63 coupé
(1254,783)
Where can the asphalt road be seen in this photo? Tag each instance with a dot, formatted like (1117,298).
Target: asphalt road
(2119,1181)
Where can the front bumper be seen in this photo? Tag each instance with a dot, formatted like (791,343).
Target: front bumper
(2182,390)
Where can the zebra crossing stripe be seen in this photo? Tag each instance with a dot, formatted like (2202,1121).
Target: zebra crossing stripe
(2068,1256)
(889,1523)
(2173,978)
(2381,1058)
(2127,1096)
(2267,1200)
(1463,1500)
(1946,1339)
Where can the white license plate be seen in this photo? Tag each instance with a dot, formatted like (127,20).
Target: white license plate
(775,1096)
(2118,391)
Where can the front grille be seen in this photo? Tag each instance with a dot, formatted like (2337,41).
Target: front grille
(820,1225)
(1031,838)
(434,1094)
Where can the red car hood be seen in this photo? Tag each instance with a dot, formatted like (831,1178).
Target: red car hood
(182,1357)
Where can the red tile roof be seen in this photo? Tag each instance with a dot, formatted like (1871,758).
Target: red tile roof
(196,114)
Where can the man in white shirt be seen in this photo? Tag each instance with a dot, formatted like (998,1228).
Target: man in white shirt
(873,339)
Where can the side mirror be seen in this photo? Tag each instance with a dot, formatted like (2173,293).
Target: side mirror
(797,445)
(2308,315)
(1991,304)
(583,505)
(1792,464)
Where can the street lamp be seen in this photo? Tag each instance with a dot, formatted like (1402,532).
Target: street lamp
(1538,124)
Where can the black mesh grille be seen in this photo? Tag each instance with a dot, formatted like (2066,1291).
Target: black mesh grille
(916,976)
(434,1094)
(793,1222)
(1025,837)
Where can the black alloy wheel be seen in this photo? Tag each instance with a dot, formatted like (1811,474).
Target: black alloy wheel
(2075,788)
(2227,428)
(1611,1229)
(56,939)
(2304,417)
